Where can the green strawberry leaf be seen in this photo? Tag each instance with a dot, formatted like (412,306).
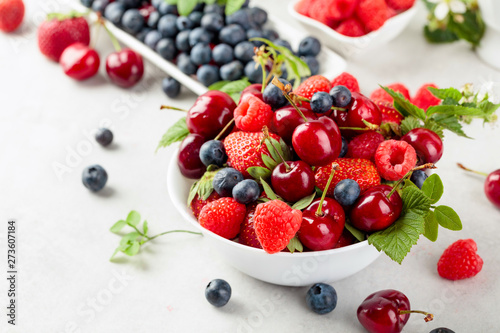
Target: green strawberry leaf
(203,187)
(259,172)
(295,245)
(176,133)
(268,161)
(431,227)
(273,152)
(269,191)
(433,188)
(285,150)
(448,218)
(118,226)
(192,192)
(133,218)
(358,234)
(304,202)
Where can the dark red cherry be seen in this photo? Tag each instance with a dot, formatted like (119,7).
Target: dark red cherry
(492,188)
(427,144)
(286,119)
(253,89)
(188,158)
(294,182)
(79,61)
(361,108)
(125,68)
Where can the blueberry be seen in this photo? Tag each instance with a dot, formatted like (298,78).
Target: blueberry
(195,17)
(222,54)
(341,96)
(99,6)
(258,16)
(256,33)
(153,19)
(321,102)
(232,34)
(171,87)
(244,51)
(208,74)
(346,192)
(104,136)
(130,3)
(199,7)
(184,23)
(164,8)
(284,72)
(274,96)
(132,21)
(141,35)
(321,298)
(167,26)
(218,292)
(345,146)
(94,177)
(232,71)
(442,330)
(201,54)
(282,42)
(224,181)
(200,35)
(253,72)
(212,22)
(241,17)
(213,8)
(309,46)
(213,152)
(152,38)
(418,177)
(182,41)
(166,48)
(271,34)
(157,3)
(312,63)
(185,64)
(87,3)
(114,12)
(246,191)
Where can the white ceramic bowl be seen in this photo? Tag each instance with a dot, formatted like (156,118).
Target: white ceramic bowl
(489,49)
(351,46)
(286,269)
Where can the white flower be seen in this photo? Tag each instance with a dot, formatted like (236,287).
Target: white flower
(446,6)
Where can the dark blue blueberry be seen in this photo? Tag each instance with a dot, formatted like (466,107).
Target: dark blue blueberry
(208,74)
(167,26)
(114,12)
(442,330)
(200,35)
(244,51)
(213,8)
(341,96)
(246,191)
(184,23)
(182,41)
(199,7)
(171,87)
(195,17)
(274,96)
(152,38)
(87,3)
(253,72)
(232,34)
(258,16)
(164,8)
(166,48)
(309,46)
(346,192)
(271,34)
(141,35)
(284,72)
(232,71)
(104,137)
(345,147)
(157,3)
(94,177)
(213,152)
(130,3)
(132,21)
(241,17)
(218,292)
(201,54)
(185,64)
(153,19)
(321,102)
(312,63)
(256,33)
(321,298)
(245,4)
(212,22)
(282,42)
(224,181)
(222,54)
(99,6)
(418,177)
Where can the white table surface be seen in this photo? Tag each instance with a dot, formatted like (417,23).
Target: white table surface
(67,284)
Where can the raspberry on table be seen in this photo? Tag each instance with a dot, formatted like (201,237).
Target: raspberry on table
(394,159)
(252,114)
(223,217)
(364,145)
(347,80)
(460,261)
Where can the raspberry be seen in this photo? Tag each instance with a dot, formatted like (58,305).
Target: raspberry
(394,159)
(364,145)
(424,98)
(341,9)
(11,14)
(276,224)
(400,5)
(312,85)
(460,261)
(223,217)
(252,114)
(389,113)
(380,94)
(197,204)
(347,80)
(351,27)
(372,13)
(247,229)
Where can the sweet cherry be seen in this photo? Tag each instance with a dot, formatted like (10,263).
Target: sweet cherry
(427,144)
(361,108)
(79,61)
(286,119)
(253,89)
(491,185)
(188,158)
(125,68)
(293,180)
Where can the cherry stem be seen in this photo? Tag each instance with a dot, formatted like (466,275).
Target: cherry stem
(428,316)
(369,127)
(168,107)
(303,99)
(224,129)
(408,174)
(461,166)
(114,41)
(284,89)
(267,137)
(319,212)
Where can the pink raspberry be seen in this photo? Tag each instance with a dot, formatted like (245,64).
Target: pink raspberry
(364,145)
(394,159)
(252,114)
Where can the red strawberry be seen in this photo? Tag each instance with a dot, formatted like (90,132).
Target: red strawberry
(362,171)
(389,113)
(351,27)
(424,98)
(460,260)
(379,94)
(244,150)
(11,14)
(347,80)
(223,217)
(252,114)
(341,9)
(319,11)
(58,32)
(400,5)
(312,85)
(364,145)
(197,204)
(276,224)
(372,13)
(247,230)
(302,7)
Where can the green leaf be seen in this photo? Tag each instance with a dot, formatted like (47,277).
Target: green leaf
(233,6)
(452,93)
(295,245)
(488,109)
(456,110)
(304,202)
(176,133)
(269,191)
(431,227)
(450,123)
(448,218)
(259,172)
(268,161)
(218,85)
(272,151)
(433,188)
(145,228)
(439,35)
(433,126)
(414,200)
(358,234)
(129,238)
(118,226)
(192,192)
(230,87)
(133,218)
(287,154)
(405,106)
(409,123)
(471,29)
(133,249)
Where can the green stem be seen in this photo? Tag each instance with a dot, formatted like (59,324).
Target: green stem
(428,316)
(408,174)
(139,232)
(319,212)
(470,170)
(171,231)
(278,84)
(114,41)
(356,128)
(224,129)
(163,107)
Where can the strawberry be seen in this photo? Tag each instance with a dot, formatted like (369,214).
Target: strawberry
(364,145)
(319,11)
(198,203)
(460,261)
(11,14)
(372,13)
(424,98)
(223,217)
(389,113)
(380,94)
(247,230)
(252,114)
(60,31)
(341,9)
(244,150)
(347,80)
(360,170)
(312,85)
(276,224)
(351,27)
(302,7)
(400,5)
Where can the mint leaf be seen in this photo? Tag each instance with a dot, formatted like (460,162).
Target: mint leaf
(448,218)
(409,123)
(405,106)
(433,126)
(452,93)
(118,226)
(259,172)
(269,191)
(233,6)
(431,227)
(304,202)
(455,110)
(450,123)
(133,249)
(415,200)
(295,245)
(133,218)
(433,188)
(268,161)
(358,234)
(176,133)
